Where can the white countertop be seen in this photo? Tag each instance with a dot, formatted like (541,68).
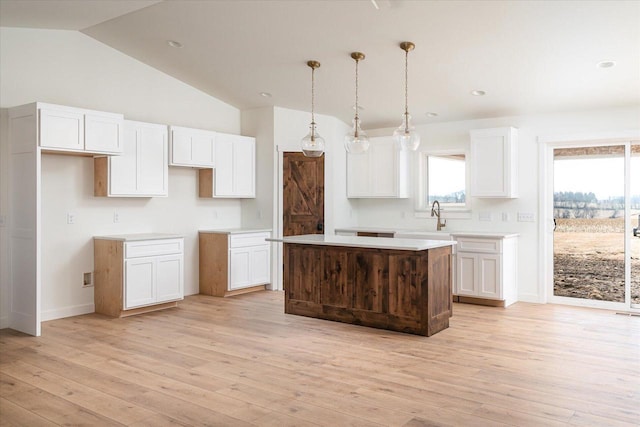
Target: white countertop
(139,236)
(365,242)
(236,230)
(410,234)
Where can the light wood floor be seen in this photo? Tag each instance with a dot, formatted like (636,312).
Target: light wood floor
(241,361)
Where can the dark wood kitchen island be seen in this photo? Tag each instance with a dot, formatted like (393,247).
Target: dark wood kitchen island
(397,284)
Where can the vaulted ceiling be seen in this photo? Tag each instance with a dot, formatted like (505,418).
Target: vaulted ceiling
(530,57)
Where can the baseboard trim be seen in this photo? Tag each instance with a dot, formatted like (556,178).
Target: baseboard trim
(74,310)
(534,298)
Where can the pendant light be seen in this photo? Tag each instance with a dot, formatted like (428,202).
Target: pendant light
(356,141)
(406,135)
(313,143)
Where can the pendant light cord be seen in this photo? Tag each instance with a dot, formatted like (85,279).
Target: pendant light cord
(357,89)
(313,71)
(406,90)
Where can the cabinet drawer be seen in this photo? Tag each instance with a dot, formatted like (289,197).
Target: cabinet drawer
(247,239)
(489,246)
(152,248)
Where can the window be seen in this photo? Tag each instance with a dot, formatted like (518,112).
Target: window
(443,177)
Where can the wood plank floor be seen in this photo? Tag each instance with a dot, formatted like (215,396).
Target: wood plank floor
(242,361)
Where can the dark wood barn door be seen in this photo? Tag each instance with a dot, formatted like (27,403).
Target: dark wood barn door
(303,198)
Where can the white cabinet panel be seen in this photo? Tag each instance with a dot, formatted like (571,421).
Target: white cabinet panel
(381,172)
(152,274)
(487,268)
(465,269)
(489,276)
(224,170)
(139,282)
(61,129)
(142,169)
(103,133)
(234,174)
(240,271)
(78,130)
(191,147)
(231,262)
(260,265)
(169,284)
(494,163)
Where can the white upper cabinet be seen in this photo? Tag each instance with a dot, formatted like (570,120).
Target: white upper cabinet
(381,172)
(142,169)
(191,147)
(234,171)
(79,131)
(494,169)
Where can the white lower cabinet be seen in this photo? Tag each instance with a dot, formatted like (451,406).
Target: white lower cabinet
(486,268)
(234,263)
(139,274)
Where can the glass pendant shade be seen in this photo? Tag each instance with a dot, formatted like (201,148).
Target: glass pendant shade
(356,141)
(313,143)
(406,135)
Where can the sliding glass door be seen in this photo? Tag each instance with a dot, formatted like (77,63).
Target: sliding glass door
(596,225)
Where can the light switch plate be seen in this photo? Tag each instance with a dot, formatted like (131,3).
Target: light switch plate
(71,218)
(484,216)
(526,217)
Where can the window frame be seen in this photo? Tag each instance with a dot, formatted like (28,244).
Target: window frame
(422,204)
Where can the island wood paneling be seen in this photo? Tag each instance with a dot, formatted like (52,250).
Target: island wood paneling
(406,291)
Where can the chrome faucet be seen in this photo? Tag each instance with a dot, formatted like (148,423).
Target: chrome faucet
(436,213)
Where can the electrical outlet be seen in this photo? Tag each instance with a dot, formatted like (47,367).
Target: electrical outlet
(71,218)
(215,214)
(526,217)
(116,217)
(86,279)
(3,220)
(505,216)
(259,214)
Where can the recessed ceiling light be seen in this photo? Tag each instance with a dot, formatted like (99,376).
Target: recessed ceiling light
(265,94)
(174,43)
(430,114)
(606,64)
(478,93)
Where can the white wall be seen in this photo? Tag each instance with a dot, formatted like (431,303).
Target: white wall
(453,135)
(70,68)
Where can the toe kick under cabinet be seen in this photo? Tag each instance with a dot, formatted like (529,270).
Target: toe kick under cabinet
(138,273)
(234,261)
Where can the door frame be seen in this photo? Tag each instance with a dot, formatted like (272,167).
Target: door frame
(546,145)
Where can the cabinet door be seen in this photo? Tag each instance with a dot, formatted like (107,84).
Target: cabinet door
(180,147)
(260,263)
(244,165)
(61,129)
(139,282)
(169,283)
(358,180)
(493,163)
(384,168)
(240,275)
(152,167)
(489,283)
(192,147)
(223,181)
(103,133)
(123,168)
(466,274)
